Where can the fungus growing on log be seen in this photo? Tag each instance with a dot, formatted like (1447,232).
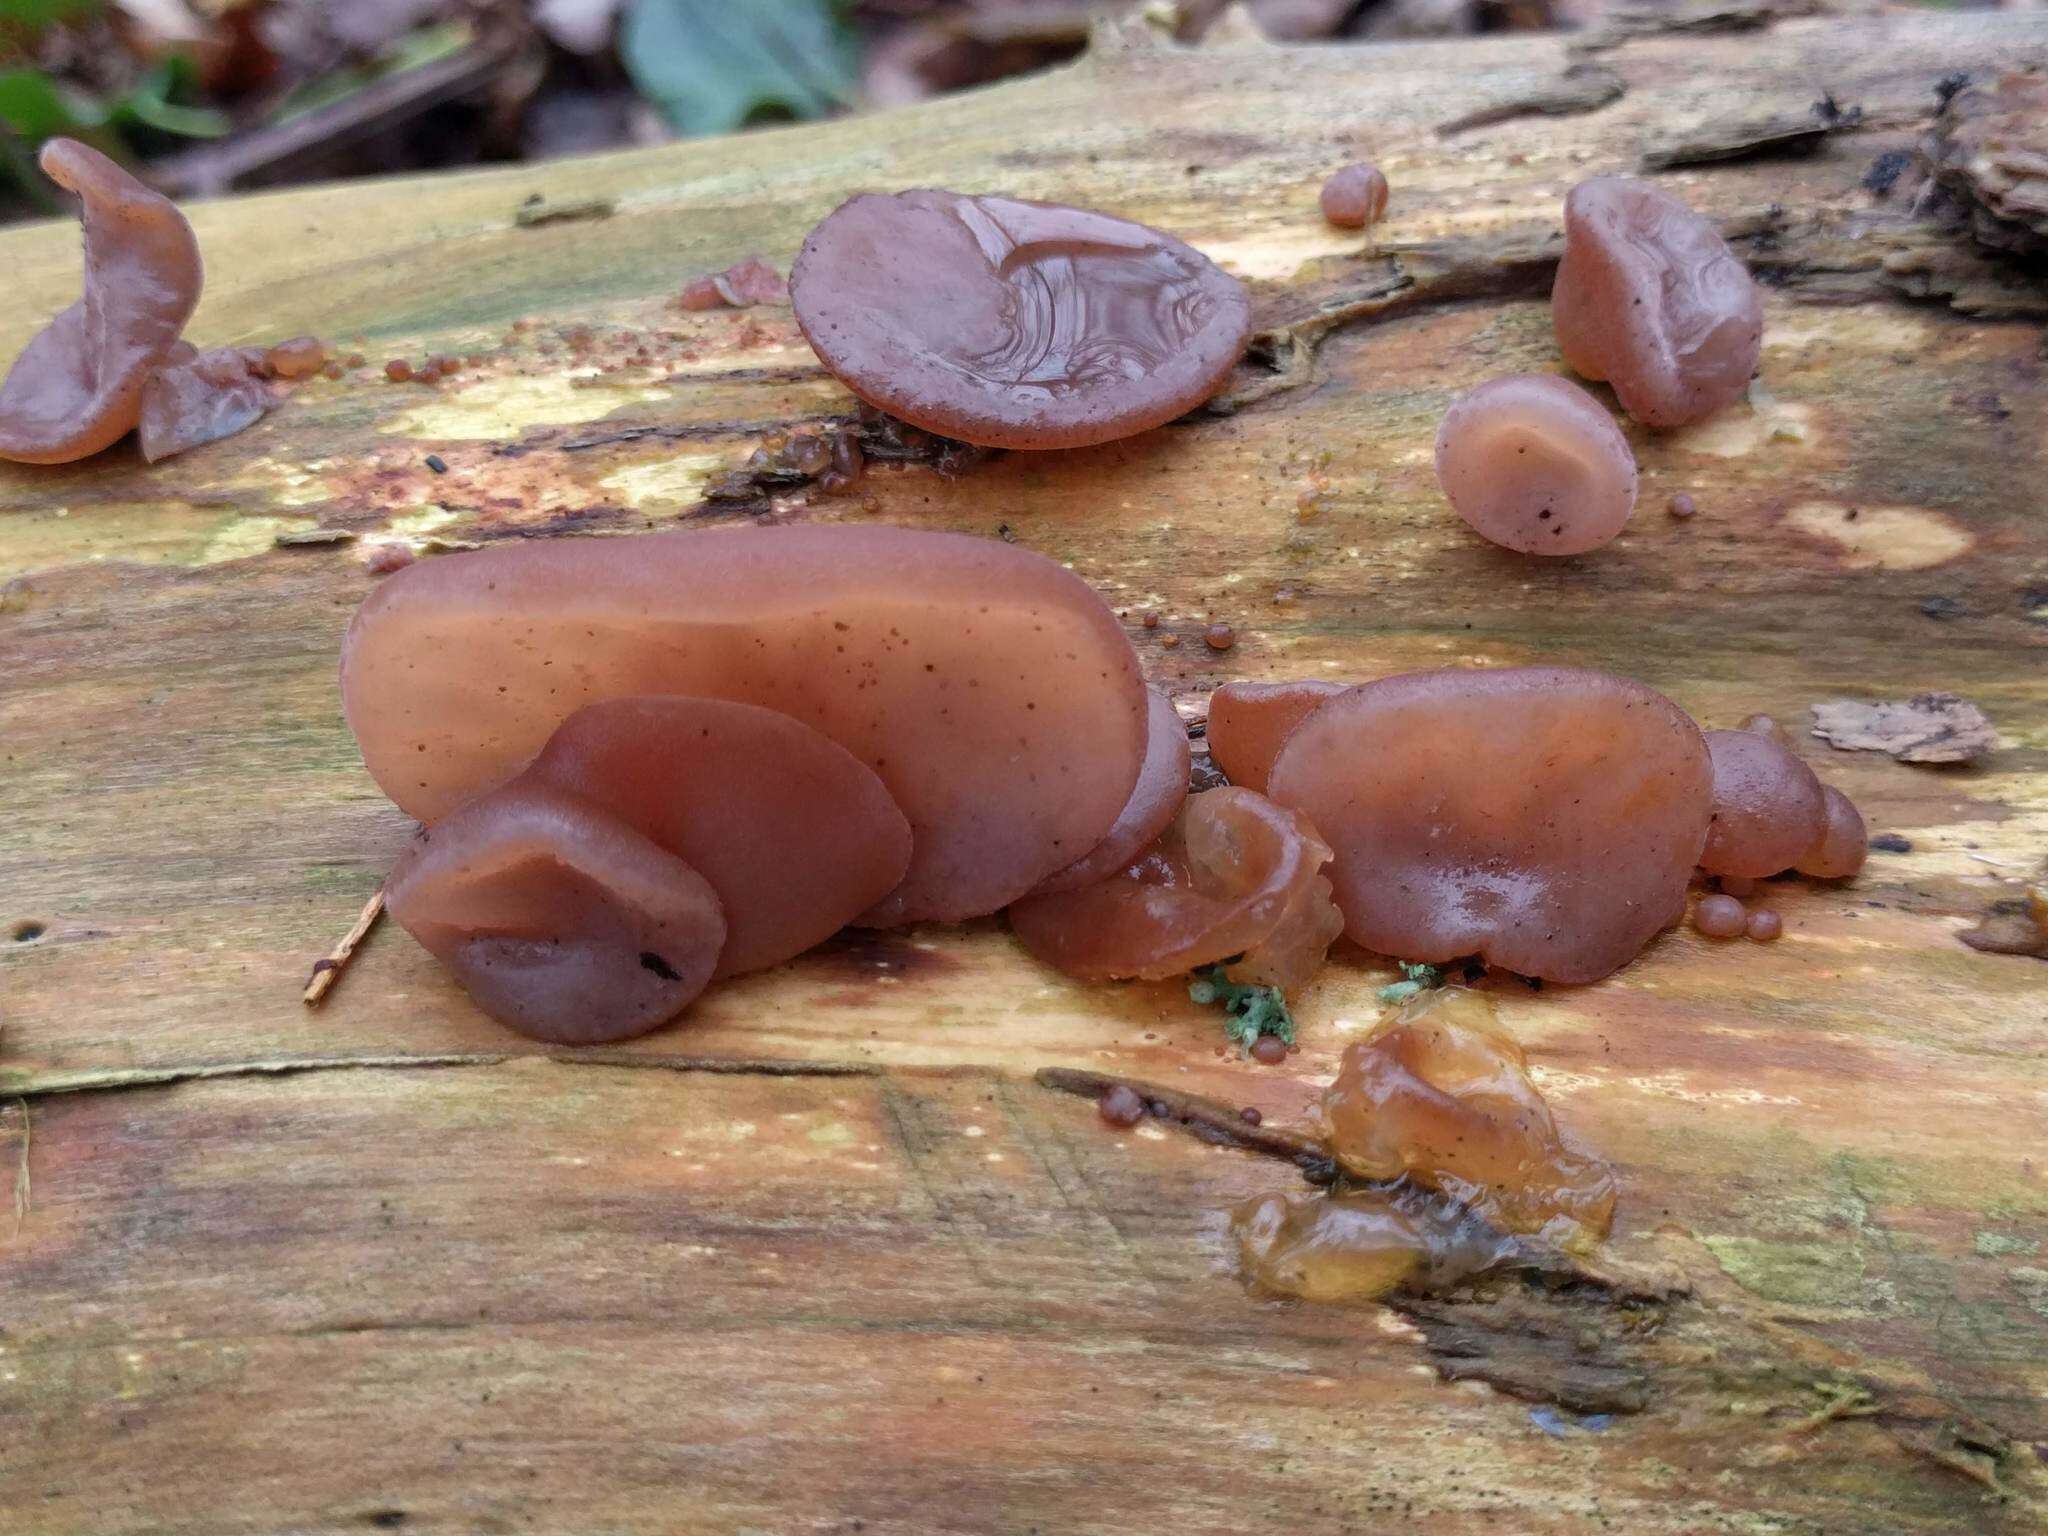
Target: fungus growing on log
(1015,324)
(1535,464)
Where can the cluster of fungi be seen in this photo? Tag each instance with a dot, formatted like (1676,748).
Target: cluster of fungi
(646,764)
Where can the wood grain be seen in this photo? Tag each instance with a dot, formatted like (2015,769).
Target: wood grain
(381,1265)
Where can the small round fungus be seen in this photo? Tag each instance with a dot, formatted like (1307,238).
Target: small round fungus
(1249,721)
(1764,925)
(1161,790)
(77,386)
(1546,819)
(1015,324)
(1235,875)
(1719,917)
(1649,297)
(1534,463)
(557,919)
(1356,196)
(1843,844)
(1769,809)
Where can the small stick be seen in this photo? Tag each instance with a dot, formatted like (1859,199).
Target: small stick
(21,1173)
(1210,1119)
(328,971)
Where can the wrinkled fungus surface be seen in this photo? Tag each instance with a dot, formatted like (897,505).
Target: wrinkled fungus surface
(558,920)
(1355,1247)
(78,385)
(1649,297)
(1441,1095)
(1249,721)
(200,397)
(1234,875)
(1769,809)
(1355,197)
(1015,324)
(1546,819)
(988,688)
(1844,841)
(795,835)
(1161,790)
(1534,463)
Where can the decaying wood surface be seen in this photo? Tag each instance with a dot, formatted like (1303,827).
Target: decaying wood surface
(825,1257)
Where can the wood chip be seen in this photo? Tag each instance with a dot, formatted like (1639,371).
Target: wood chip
(1927,728)
(307,537)
(327,971)
(538,210)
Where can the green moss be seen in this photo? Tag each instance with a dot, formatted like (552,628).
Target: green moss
(1797,1274)
(1998,1245)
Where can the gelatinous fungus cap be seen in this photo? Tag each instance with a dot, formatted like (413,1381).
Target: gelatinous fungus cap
(1249,721)
(77,386)
(1354,1247)
(1649,297)
(1161,790)
(1534,463)
(795,835)
(557,919)
(1441,1094)
(1235,875)
(1355,197)
(1843,844)
(1015,324)
(1769,808)
(1546,819)
(988,688)
(199,397)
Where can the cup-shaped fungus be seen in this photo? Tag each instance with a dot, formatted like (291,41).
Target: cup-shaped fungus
(1234,875)
(1015,324)
(77,386)
(557,919)
(1844,841)
(1161,790)
(1441,1094)
(1649,297)
(1356,196)
(1249,721)
(1534,463)
(198,397)
(989,689)
(1546,819)
(795,834)
(1769,809)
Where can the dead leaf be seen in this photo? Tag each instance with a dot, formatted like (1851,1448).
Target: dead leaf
(1927,728)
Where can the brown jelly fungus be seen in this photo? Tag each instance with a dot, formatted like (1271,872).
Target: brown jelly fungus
(1355,197)
(1234,876)
(1161,790)
(1534,463)
(1015,324)
(1649,297)
(1545,819)
(989,689)
(1719,917)
(78,385)
(1769,809)
(1249,721)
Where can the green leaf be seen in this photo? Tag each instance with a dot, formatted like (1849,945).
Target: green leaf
(150,104)
(1250,1011)
(711,65)
(35,107)
(40,13)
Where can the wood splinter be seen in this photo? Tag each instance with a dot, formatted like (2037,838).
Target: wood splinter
(327,971)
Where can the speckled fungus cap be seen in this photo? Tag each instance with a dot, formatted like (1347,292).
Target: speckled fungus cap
(1015,324)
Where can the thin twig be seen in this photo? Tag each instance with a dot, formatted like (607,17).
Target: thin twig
(21,1171)
(328,971)
(1210,1119)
